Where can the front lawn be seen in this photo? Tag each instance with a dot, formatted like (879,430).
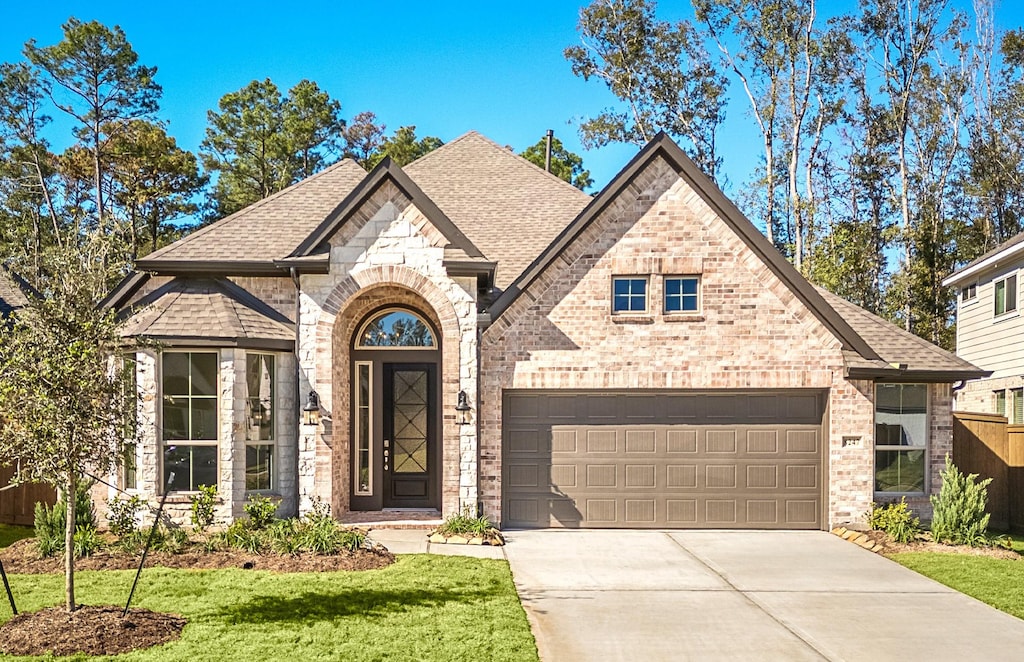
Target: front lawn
(996,582)
(423,607)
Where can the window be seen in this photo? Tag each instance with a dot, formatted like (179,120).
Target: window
(363,466)
(629,295)
(1000,402)
(129,431)
(1016,415)
(260,412)
(189,416)
(681,294)
(969,292)
(901,437)
(1006,295)
(395,329)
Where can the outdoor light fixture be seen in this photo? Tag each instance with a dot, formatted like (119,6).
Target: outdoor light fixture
(311,412)
(463,408)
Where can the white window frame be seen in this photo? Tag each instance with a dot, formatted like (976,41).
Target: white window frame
(164,443)
(925,448)
(665,295)
(274,427)
(969,293)
(646,310)
(1015,289)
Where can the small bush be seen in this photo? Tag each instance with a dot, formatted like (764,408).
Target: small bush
(50,524)
(261,511)
(87,541)
(465,523)
(202,507)
(282,537)
(132,543)
(241,535)
(123,515)
(959,515)
(171,539)
(895,519)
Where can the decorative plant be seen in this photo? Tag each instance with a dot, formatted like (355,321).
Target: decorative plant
(959,515)
(203,502)
(122,515)
(465,523)
(895,519)
(261,511)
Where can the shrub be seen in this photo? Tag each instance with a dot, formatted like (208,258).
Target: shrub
(202,507)
(959,515)
(49,522)
(895,519)
(242,536)
(87,541)
(465,523)
(282,536)
(261,511)
(171,539)
(123,515)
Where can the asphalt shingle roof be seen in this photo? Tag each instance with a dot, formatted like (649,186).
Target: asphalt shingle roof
(1012,241)
(893,344)
(206,309)
(12,296)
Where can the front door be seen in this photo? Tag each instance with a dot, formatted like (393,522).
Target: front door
(410,446)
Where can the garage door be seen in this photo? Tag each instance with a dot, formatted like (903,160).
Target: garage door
(749,460)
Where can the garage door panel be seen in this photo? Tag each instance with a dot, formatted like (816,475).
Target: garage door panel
(663,460)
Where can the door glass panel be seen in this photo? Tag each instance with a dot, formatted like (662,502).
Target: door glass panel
(410,421)
(363,468)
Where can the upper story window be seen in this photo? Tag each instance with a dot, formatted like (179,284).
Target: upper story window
(969,292)
(629,294)
(1006,295)
(901,438)
(682,294)
(395,329)
(189,417)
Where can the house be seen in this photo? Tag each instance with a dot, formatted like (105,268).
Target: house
(470,332)
(990,329)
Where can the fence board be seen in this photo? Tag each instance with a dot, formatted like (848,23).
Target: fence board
(980,446)
(1015,457)
(18,504)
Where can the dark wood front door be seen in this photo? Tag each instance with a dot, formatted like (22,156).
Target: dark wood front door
(410,441)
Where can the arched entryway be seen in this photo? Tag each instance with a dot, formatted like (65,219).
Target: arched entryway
(396,423)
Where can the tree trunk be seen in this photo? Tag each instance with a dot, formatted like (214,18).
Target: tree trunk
(69,543)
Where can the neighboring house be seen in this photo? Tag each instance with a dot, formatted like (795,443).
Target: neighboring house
(479,334)
(990,329)
(17,504)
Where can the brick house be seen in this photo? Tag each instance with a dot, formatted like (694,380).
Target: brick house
(475,333)
(990,329)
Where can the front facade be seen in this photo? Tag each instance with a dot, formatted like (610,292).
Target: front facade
(476,334)
(990,330)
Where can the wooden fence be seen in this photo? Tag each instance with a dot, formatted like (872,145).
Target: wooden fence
(986,445)
(18,504)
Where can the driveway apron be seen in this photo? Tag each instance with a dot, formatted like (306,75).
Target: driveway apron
(752,595)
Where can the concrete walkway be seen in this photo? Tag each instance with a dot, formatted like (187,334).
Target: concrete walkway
(710,595)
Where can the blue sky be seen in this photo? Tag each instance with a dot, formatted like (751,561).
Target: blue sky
(445,67)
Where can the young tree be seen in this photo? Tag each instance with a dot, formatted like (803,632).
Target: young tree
(62,395)
(660,71)
(564,164)
(363,138)
(99,70)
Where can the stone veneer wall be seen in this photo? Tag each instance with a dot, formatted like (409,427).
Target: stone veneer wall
(752,332)
(387,253)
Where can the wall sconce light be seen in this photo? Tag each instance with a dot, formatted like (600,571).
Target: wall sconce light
(463,409)
(311,412)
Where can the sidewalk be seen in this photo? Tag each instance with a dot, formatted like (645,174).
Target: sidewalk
(414,541)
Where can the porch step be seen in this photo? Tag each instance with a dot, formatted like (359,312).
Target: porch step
(394,519)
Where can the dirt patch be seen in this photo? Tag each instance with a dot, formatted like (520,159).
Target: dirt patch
(22,557)
(89,630)
(929,546)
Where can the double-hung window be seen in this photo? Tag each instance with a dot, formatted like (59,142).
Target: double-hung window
(629,294)
(1006,295)
(261,421)
(901,438)
(189,419)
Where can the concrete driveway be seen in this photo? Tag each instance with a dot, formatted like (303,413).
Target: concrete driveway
(713,595)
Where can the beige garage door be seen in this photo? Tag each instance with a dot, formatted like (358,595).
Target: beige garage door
(750,460)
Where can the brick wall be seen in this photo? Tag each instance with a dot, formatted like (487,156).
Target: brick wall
(751,333)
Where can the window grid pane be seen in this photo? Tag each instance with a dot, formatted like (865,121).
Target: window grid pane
(901,437)
(259,467)
(260,397)
(189,414)
(681,295)
(629,295)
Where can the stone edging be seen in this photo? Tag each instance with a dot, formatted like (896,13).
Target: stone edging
(495,540)
(859,538)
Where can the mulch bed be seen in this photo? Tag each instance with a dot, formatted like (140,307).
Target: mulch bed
(890,546)
(90,630)
(22,557)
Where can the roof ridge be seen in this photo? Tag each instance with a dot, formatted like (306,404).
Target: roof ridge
(220,222)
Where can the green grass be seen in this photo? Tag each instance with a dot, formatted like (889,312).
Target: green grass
(996,582)
(10,533)
(423,607)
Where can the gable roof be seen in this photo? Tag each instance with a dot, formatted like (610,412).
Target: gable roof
(1012,248)
(207,311)
(14,292)
(664,147)
(910,356)
(249,240)
(505,204)
(386,170)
